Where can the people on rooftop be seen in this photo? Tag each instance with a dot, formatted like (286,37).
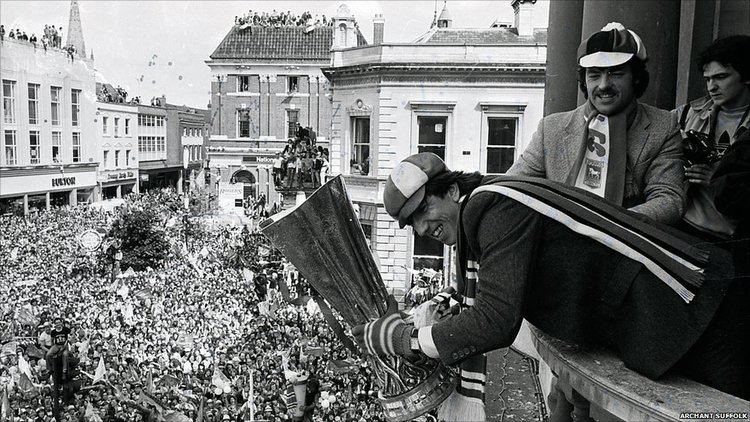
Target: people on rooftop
(279,19)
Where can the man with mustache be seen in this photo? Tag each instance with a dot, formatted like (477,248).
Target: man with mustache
(613,145)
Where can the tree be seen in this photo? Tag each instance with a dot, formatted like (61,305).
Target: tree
(141,238)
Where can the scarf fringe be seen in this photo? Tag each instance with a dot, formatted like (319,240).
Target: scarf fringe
(460,408)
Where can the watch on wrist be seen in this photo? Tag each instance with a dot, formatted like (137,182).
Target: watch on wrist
(414,341)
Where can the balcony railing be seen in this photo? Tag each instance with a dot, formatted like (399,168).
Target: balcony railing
(596,386)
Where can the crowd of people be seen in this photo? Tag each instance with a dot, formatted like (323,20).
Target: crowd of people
(301,162)
(184,338)
(52,36)
(277,19)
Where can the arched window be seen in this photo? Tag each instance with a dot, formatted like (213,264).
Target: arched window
(342,34)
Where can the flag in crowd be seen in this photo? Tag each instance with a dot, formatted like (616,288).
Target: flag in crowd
(101,371)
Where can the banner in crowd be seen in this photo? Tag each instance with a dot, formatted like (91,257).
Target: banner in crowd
(25,316)
(341,365)
(221,382)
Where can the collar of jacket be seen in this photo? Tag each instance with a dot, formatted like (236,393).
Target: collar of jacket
(703,106)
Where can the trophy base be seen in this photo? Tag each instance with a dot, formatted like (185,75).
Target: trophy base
(421,399)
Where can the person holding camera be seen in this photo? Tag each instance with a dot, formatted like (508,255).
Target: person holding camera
(711,124)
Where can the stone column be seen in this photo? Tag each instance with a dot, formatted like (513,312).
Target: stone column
(119,191)
(26,205)
(47,200)
(658,25)
(697,20)
(563,38)
(73,197)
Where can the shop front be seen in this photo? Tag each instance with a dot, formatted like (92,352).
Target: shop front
(25,190)
(118,183)
(159,178)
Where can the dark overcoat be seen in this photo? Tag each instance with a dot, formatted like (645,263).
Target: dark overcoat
(571,287)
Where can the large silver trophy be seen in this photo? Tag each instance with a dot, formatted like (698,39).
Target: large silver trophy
(322,237)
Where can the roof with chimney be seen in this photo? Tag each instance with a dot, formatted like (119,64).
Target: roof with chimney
(482,36)
(284,43)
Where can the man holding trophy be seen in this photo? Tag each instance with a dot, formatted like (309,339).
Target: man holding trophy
(574,266)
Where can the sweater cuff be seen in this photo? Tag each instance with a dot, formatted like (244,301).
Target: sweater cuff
(402,339)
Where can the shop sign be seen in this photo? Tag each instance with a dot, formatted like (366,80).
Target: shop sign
(63,181)
(120,175)
(90,240)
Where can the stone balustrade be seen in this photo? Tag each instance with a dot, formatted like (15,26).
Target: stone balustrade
(596,386)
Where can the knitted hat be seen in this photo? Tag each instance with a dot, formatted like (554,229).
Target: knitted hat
(404,188)
(610,47)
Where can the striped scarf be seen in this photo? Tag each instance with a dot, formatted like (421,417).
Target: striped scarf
(670,255)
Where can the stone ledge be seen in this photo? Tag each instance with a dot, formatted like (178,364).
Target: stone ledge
(622,394)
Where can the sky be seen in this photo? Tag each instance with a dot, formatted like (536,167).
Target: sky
(168,42)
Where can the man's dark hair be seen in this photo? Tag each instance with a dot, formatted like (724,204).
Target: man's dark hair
(440,184)
(729,51)
(640,77)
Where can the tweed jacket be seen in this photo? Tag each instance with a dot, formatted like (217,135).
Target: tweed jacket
(654,174)
(569,286)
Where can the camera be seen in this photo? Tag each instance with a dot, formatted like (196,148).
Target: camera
(698,148)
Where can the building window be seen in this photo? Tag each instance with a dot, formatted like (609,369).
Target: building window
(292,118)
(117,127)
(75,106)
(432,134)
(243,83)
(56,146)
(33,104)
(105,159)
(360,163)
(76,147)
(501,143)
(117,159)
(428,253)
(243,123)
(159,121)
(292,84)
(9,101)
(127,127)
(127,158)
(342,35)
(105,125)
(34,152)
(11,158)
(151,148)
(55,105)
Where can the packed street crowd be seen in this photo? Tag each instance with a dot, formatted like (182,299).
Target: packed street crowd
(201,338)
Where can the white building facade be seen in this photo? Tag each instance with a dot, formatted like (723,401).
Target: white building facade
(472,96)
(49,146)
(117,149)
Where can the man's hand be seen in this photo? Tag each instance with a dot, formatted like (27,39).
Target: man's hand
(388,335)
(700,174)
